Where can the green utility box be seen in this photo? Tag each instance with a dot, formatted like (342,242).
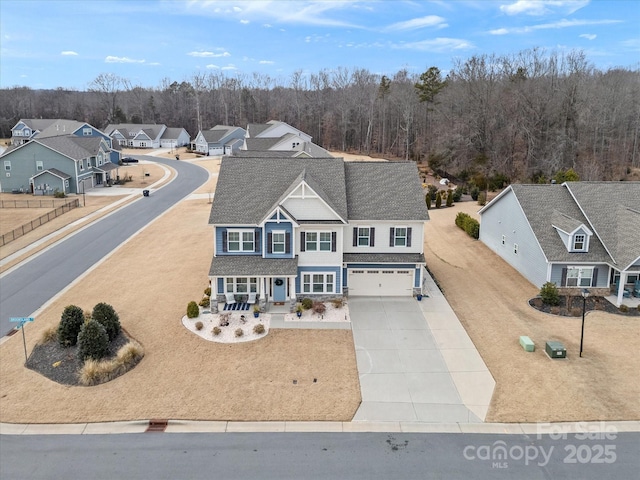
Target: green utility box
(555,349)
(527,344)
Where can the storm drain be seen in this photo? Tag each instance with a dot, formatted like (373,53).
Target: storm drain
(157,425)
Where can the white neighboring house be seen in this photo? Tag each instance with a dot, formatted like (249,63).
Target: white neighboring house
(219,140)
(135,135)
(281,137)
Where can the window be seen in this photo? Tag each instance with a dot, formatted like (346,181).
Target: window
(277,242)
(86,132)
(240,241)
(578,242)
(81,164)
(319,241)
(400,237)
(7,165)
(364,235)
(579,276)
(515,248)
(39,165)
(318,282)
(241,284)
(504,239)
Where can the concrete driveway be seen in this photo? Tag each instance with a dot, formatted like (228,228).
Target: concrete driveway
(416,362)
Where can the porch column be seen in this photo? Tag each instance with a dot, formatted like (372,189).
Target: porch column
(623,280)
(292,287)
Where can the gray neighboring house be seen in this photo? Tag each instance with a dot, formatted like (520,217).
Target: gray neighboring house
(281,137)
(219,140)
(136,135)
(174,137)
(576,235)
(288,228)
(67,164)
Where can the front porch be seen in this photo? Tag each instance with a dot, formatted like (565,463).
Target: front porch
(631,302)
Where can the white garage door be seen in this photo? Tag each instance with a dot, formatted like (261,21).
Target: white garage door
(381,283)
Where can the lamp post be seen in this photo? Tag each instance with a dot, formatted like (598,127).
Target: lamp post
(585,294)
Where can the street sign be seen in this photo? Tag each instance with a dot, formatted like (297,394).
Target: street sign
(21,319)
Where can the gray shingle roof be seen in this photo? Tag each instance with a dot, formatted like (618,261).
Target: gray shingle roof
(384,191)
(72,146)
(251,265)
(383,258)
(264,154)
(609,215)
(172,132)
(56,172)
(248,189)
(261,144)
(153,130)
(255,129)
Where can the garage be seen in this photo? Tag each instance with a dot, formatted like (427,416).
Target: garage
(379,282)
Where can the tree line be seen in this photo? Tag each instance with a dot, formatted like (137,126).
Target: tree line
(518,117)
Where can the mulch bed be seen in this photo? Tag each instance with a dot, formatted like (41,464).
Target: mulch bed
(572,306)
(45,357)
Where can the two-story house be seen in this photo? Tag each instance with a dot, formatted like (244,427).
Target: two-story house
(576,235)
(136,135)
(276,136)
(287,228)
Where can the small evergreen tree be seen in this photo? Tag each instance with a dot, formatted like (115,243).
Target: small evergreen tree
(450,198)
(427,200)
(549,294)
(192,310)
(93,341)
(482,198)
(106,316)
(438,200)
(71,322)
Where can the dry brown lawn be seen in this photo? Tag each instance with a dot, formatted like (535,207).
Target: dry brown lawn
(182,376)
(490,298)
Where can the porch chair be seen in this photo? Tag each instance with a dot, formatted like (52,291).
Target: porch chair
(636,289)
(626,293)
(230,298)
(252,298)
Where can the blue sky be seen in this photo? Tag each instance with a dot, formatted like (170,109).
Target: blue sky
(49,44)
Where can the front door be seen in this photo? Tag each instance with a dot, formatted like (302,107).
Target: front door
(279,289)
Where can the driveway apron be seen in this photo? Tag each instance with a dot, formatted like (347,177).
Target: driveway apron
(414,370)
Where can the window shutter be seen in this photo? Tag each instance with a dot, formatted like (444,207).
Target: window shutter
(224,241)
(355,236)
(408,236)
(302,242)
(372,237)
(269,242)
(258,245)
(287,242)
(334,241)
(563,279)
(594,281)
(392,234)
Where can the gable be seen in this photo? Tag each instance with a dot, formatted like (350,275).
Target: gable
(306,204)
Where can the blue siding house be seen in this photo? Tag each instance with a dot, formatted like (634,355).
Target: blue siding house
(576,235)
(287,228)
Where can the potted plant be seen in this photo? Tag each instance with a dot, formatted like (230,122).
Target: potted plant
(256,311)
(299,310)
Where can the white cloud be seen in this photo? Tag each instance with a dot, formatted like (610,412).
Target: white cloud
(209,54)
(244,22)
(542,7)
(68,53)
(266,62)
(266,25)
(554,25)
(230,67)
(212,66)
(416,23)
(112,59)
(633,44)
(588,36)
(441,44)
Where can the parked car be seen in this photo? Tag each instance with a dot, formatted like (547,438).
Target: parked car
(129,160)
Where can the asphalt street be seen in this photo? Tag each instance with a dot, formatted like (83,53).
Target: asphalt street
(368,456)
(27,288)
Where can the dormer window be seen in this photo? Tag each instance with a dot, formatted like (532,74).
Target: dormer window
(579,242)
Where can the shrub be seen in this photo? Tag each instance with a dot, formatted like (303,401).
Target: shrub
(474,192)
(307,303)
(239,332)
(216,330)
(207,291)
(576,312)
(93,341)
(472,227)
(482,198)
(224,319)
(58,194)
(94,372)
(427,200)
(70,324)
(205,302)
(549,294)
(461,218)
(457,194)
(258,329)
(624,308)
(337,302)
(192,310)
(555,310)
(130,354)
(104,314)
(319,308)
(449,198)
(438,200)
(49,335)
(433,190)
(199,325)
